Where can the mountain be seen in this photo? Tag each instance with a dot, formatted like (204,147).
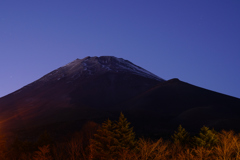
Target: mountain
(83,89)
(97,88)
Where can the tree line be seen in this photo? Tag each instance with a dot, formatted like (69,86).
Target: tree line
(116,140)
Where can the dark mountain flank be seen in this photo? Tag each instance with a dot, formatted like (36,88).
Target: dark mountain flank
(97,88)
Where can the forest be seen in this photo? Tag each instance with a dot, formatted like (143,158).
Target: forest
(117,140)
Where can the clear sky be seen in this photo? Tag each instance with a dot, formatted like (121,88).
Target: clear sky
(197,41)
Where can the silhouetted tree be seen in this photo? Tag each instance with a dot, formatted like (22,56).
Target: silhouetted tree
(87,132)
(207,138)
(19,147)
(104,142)
(43,153)
(181,136)
(124,134)
(112,139)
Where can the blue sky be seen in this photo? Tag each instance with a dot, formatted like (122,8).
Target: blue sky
(195,41)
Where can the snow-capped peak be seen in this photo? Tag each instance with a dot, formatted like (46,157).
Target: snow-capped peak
(96,65)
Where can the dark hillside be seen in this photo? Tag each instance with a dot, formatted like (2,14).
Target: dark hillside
(175,102)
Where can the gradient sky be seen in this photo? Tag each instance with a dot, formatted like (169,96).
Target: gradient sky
(197,41)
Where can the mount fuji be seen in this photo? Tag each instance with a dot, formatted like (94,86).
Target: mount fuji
(97,88)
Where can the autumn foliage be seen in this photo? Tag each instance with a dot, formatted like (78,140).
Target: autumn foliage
(116,140)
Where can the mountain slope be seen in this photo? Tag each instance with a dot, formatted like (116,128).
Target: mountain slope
(82,89)
(175,102)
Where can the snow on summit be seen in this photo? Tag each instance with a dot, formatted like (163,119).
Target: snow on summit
(97,65)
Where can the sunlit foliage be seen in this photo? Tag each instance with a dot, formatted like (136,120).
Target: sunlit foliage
(181,136)
(116,140)
(112,139)
(207,138)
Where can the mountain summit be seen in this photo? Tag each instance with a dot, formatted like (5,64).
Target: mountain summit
(92,66)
